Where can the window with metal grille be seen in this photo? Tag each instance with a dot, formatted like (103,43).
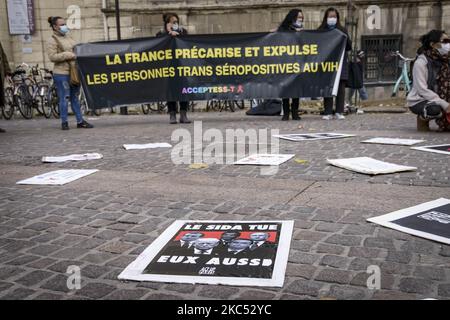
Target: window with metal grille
(379,65)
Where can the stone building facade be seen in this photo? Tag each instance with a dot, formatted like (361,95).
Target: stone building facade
(379,26)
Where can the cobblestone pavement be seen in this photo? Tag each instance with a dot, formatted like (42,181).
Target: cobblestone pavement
(102,222)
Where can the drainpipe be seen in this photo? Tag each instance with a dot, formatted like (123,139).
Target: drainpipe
(105,20)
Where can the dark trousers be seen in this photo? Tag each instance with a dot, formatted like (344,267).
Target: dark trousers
(295,103)
(427,110)
(172,106)
(340,100)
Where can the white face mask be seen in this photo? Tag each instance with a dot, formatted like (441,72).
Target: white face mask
(444,49)
(331,22)
(175,27)
(298,23)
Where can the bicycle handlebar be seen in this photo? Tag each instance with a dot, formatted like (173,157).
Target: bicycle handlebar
(398,54)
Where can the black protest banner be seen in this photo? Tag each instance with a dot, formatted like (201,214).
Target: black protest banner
(203,67)
(225,252)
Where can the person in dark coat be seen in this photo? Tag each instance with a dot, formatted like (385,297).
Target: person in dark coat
(293,22)
(331,20)
(172,27)
(5,71)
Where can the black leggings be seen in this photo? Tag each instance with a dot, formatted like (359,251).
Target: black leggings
(427,110)
(172,106)
(340,100)
(295,103)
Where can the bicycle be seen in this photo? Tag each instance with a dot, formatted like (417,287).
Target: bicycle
(39,90)
(404,77)
(9,105)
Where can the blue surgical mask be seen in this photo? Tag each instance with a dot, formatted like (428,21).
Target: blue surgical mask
(64,29)
(331,22)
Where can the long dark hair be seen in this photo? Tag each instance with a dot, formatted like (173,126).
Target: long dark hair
(324,25)
(426,40)
(290,18)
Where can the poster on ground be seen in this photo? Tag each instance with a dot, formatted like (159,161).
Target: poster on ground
(393,141)
(265,159)
(58,177)
(73,157)
(429,220)
(239,253)
(440,148)
(147,146)
(312,136)
(368,165)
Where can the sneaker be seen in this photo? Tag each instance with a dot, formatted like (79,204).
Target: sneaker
(327,117)
(84,124)
(340,116)
(65,126)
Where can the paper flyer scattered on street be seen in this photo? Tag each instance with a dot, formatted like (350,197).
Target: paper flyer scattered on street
(368,165)
(393,141)
(58,177)
(440,148)
(312,136)
(73,157)
(265,159)
(429,220)
(239,253)
(147,146)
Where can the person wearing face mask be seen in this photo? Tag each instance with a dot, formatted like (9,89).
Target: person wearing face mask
(430,94)
(331,20)
(60,52)
(293,22)
(172,27)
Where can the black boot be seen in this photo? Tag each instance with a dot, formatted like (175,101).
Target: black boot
(295,115)
(285,112)
(183,117)
(173,117)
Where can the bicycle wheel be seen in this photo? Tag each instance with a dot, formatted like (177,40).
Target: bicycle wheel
(227,104)
(145,108)
(53,101)
(23,102)
(45,107)
(8,108)
(162,106)
(239,103)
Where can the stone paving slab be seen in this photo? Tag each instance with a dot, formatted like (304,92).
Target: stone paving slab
(102,222)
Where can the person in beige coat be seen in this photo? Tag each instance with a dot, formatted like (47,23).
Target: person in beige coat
(5,71)
(60,52)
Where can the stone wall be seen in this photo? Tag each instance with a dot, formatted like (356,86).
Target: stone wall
(143,18)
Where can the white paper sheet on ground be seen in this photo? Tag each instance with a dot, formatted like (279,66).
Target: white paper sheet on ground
(260,265)
(147,146)
(368,165)
(394,141)
(265,159)
(58,177)
(429,220)
(312,136)
(440,148)
(73,157)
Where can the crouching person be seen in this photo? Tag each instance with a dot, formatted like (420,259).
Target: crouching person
(430,95)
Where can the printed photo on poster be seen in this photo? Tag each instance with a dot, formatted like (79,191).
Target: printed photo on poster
(441,148)
(312,136)
(216,252)
(368,165)
(430,220)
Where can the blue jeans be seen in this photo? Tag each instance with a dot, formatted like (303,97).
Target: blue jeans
(362,94)
(67,92)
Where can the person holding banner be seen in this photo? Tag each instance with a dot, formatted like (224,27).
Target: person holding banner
(331,20)
(172,27)
(293,22)
(430,95)
(60,52)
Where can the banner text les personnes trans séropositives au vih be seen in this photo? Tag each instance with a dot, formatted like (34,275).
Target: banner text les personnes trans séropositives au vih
(204,67)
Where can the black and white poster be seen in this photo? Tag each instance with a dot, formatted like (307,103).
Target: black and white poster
(441,148)
(430,220)
(312,136)
(240,253)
